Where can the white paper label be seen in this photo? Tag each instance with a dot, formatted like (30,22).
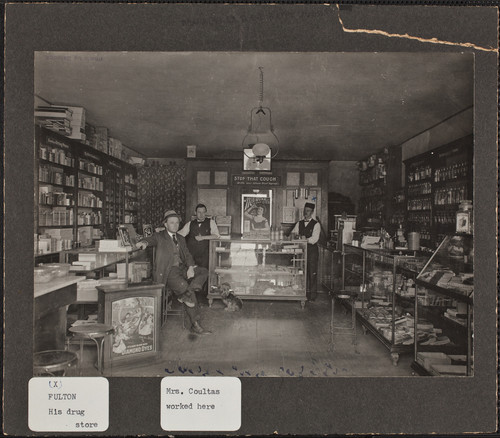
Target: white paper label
(68,404)
(200,403)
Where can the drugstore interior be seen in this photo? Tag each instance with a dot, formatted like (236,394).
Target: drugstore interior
(380,143)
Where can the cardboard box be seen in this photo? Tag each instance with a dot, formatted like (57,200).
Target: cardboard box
(428,359)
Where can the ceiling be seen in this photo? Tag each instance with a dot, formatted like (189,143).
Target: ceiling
(334,106)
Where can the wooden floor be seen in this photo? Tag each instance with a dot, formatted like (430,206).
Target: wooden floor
(265,339)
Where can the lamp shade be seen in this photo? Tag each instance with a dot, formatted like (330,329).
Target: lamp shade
(260,149)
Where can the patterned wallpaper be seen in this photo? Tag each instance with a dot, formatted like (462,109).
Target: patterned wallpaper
(161,188)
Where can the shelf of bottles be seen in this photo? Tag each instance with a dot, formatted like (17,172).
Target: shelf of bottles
(119,199)
(78,186)
(57,216)
(89,217)
(55,152)
(90,183)
(398,216)
(436,182)
(55,175)
(131,204)
(89,166)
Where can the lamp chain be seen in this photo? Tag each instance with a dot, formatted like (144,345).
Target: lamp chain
(261,94)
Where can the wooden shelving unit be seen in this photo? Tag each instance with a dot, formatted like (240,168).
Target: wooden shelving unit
(78,186)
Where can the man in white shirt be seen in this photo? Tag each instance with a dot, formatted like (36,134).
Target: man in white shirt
(198,233)
(311,230)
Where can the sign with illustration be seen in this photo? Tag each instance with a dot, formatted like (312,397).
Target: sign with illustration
(256,215)
(133,321)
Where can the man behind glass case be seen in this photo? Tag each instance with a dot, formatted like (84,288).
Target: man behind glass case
(310,229)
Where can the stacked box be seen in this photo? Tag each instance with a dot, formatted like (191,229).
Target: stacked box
(77,123)
(102,138)
(91,135)
(115,147)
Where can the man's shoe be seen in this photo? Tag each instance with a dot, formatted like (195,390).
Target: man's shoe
(186,299)
(199,330)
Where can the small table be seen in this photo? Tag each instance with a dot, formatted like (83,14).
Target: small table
(97,332)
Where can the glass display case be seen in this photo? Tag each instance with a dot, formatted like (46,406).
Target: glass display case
(444,310)
(256,270)
(383,282)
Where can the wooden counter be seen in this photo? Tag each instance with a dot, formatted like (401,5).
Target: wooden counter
(51,300)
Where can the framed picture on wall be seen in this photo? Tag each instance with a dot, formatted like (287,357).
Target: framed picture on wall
(256,215)
(289,215)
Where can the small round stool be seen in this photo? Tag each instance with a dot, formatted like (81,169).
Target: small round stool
(53,362)
(347,298)
(97,332)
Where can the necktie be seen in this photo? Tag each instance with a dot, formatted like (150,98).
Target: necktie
(174,238)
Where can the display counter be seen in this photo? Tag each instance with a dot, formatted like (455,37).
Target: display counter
(381,281)
(134,312)
(259,270)
(51,299)
(444,306)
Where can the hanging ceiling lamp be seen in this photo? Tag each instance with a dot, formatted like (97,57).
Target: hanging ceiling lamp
(260,137)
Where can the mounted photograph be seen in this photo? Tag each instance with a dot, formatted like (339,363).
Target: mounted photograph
(254,214)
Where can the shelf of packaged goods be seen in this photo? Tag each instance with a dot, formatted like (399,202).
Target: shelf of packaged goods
(263,296)
(41,204)
(420,195)
(90,208)
(248,272)
(82,189)
(419,181)
(450,182)
(48,253)
(393,348)
(55,226)
(374,182)
(65,186)
(52,163)
(450,293)
(86,172)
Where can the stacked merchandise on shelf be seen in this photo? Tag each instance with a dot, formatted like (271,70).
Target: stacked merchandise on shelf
(66,120)
(441,364)
(77,123)
(115,147)
(55,118)
(137,271)
(53,240)
(87,289)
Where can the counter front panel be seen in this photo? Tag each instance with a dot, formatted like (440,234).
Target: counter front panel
(273,270)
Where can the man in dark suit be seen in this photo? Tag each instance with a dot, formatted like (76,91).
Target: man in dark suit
(175,267)
(310,229)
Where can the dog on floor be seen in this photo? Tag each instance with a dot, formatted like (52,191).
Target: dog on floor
(232,302)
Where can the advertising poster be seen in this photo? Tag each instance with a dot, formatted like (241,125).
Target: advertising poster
(256,215)
(133,321)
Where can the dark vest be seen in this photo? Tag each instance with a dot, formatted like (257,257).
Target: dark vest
(199,250)
(307,231)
